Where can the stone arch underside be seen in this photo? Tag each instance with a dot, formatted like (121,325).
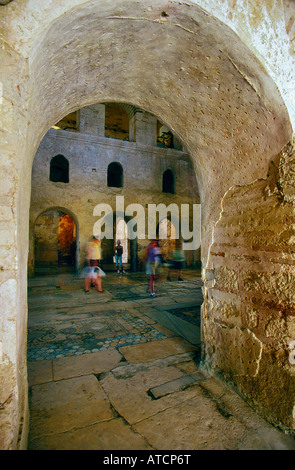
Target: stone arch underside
(185,67)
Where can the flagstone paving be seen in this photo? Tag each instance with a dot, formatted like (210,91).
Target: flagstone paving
(119,370)
(65,321)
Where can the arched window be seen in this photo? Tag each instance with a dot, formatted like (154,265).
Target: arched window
(115,175)
(168,182)
(59,169)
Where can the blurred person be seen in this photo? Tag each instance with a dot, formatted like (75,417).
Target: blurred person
(177,261)
(93,256)
(93,276)
(152,257)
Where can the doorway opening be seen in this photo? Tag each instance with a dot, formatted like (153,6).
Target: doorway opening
(55,241)
(122,235)
(66,241)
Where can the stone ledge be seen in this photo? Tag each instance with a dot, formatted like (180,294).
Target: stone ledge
(176,385)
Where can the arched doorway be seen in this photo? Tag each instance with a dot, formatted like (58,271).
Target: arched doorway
(55,241)
(122,235)
(66,241)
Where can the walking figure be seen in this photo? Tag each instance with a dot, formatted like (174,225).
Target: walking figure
(93,277)
(93,272)
(177,261)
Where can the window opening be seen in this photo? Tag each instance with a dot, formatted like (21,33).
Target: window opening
(116,122)
(59,169)
(165,136)
(115,175)
(168,182)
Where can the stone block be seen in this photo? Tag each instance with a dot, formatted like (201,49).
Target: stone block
(105,436)
(39,372)
(94,363)
(243,351)
(154,350)
(62,406)
(171,387)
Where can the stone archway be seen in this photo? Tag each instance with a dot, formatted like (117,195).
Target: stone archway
(56,239)
(202,82)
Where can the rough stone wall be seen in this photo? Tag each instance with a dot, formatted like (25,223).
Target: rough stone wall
(13,252)
(249,285)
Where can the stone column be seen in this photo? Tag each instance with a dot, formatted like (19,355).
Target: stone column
(92,120)
(146,129)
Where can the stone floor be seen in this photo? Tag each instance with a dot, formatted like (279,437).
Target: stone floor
(118,370)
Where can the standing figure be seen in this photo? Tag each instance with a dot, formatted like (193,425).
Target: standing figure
(118,257)
(152,256)
(177,261)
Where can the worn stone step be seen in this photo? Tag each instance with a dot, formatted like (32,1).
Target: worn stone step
(128,370)
(175,385)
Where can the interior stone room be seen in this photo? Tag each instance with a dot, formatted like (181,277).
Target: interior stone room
(92,156)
